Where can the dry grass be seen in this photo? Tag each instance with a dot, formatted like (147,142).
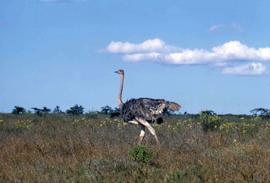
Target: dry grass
(95,149)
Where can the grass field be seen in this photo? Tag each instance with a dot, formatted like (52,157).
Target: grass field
(96,148)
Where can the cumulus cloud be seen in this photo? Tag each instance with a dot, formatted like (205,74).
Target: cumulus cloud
(221,55)
(235,50)
(246,69)
(232,50)
(126,47)
(142,56)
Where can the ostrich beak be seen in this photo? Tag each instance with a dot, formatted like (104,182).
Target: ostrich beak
(116,72)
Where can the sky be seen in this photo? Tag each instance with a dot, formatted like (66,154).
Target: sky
(204,55)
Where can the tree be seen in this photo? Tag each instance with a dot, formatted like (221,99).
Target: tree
(75,110)
(18,110)
(261,112)
(57,110)
(106,110)
(42,111)
(37,111)
(46,110)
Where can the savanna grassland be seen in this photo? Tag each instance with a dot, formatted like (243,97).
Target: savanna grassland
(96,148)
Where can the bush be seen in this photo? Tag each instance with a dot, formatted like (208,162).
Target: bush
(141,154)
(209,121)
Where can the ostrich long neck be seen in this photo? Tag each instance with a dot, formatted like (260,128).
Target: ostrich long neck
(120,101)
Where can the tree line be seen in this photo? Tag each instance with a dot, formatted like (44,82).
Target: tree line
(107,110)
(74,110)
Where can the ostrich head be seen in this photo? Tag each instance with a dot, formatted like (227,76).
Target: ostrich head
(120,71)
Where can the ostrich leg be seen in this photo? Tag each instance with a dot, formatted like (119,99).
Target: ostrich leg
(142,133)
(149,127)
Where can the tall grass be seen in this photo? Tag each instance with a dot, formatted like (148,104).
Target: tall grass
(59,148)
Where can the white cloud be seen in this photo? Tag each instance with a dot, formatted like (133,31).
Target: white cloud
(230,51)
(157,49)
(189,56)
(235,50)
(247,69)
(220,56)
(214,28)
(235,27)
(126,47)
(142,56)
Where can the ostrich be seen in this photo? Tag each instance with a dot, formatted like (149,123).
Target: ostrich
(143,111)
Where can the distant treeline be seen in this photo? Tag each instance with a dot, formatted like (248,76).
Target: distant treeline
(74,110)
(107,110)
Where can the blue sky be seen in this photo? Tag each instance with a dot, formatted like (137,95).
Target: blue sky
(202,54)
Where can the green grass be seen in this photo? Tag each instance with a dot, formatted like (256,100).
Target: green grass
(95,148)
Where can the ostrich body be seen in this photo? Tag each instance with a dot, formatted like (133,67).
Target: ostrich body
(143,111)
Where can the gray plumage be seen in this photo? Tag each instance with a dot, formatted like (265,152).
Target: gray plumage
(152,110)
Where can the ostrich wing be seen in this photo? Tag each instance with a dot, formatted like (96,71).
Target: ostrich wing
(146,108)
(140,108)
(154,106)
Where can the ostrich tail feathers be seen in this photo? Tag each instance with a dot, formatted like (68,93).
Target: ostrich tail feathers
(173,106)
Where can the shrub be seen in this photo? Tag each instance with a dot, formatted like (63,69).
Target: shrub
(140,153)
(209,121)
